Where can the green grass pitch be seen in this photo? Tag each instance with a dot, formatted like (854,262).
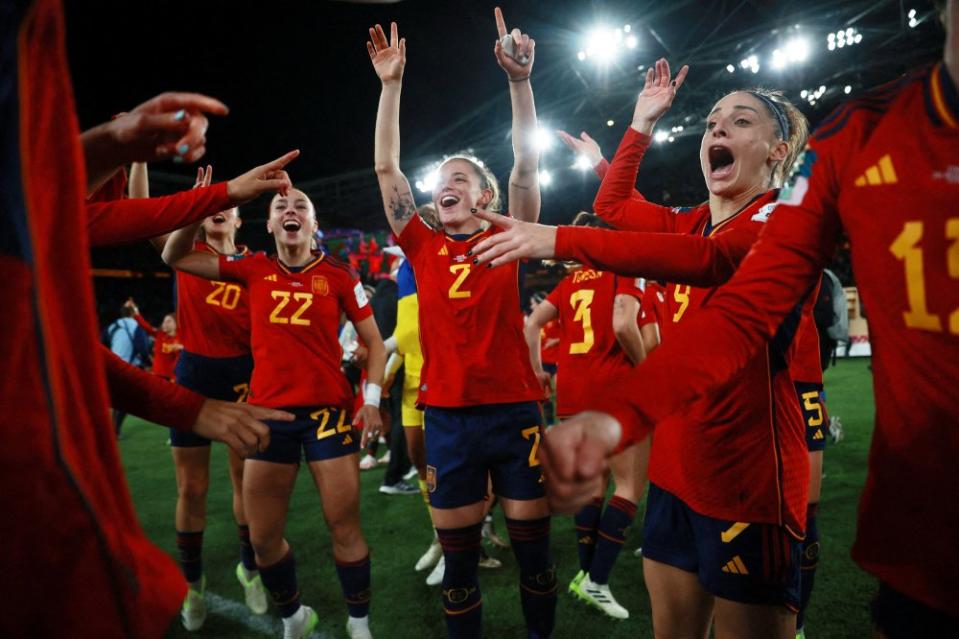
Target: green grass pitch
(397,530)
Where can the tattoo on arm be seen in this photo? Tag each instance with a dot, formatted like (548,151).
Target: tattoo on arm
(401,205)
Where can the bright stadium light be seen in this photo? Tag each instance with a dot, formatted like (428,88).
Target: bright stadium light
(581,55)
(671,139)
(627,28)
(751,63)
(730,68)
(602,44)
(631,42)
(661,136)
(429,179)
(543,138)
(913,19)
(582,163)
(610,123)
(545,179)
(847,89)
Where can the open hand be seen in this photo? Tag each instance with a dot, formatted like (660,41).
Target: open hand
(514,50)
(388,57)
(657,95)
(583,145)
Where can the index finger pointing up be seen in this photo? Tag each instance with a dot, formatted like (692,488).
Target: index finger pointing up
(500,22)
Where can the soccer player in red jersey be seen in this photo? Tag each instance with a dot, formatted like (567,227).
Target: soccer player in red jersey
(482,415)
(296,298)
(892,150)
(597,314)
(166,343)
(750,141)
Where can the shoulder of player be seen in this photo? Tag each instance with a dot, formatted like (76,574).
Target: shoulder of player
(337,269)
(865,111)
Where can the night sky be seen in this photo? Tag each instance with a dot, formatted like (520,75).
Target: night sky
(297,75)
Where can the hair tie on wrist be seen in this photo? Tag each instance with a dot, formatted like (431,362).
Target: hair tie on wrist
(525,77)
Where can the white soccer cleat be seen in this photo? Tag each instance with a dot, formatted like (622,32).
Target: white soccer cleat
(385,459)
(193,612)
(435,578)
(638,552)
(489,534)
(359,628)
(835,429)
(432,555)
(253,591)
(368,462)
(300,624)
(599,596)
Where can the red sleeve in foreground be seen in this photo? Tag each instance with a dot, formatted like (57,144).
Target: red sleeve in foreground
(685,259)
(133,220)
(734,324)
(618,202)
(150,397)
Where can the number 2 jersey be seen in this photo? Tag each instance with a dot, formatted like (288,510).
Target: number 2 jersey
(588,352)
(295,319)
(471,323)
(213,317)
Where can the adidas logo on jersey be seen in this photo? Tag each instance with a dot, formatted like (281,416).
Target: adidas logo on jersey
(735,566)
(878,174)
(818,434)
(444,251)
(270,278)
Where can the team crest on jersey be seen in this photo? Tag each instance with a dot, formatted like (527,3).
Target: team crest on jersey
(235,258)
(762,215)
(431,478)
(459,259)
(320,285)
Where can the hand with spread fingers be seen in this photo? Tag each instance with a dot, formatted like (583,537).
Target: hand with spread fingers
(657,95)
(584,146)
(514,50)
(573,455)
(265,178)
(388,56)
(520,240)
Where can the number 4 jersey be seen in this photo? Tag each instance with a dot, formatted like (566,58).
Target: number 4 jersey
(295,320)
(471,323)
(213,318)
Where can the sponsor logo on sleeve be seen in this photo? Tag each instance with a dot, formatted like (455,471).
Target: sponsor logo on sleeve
(360,294)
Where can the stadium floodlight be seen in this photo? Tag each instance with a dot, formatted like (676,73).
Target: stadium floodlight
(847,89)
(582,163)
(545,179)
(661,136)
(603,44)
(632,42)
(803,94)
(751,63)
(610,123)
(543,138)
(581,55)
(913,19)
(730,68)
(627,28)
(426,183)
(671,139)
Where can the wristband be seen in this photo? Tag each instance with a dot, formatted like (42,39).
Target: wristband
(371,394)
(523,79)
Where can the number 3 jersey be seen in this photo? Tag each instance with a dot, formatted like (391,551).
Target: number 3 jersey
(588,352)
(471,323)
(213,318)
(295,319)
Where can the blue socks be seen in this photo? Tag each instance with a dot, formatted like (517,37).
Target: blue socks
(190,547)
(613,528)
(530,541)
(587,526)
(355,582)
(280,580)
(462,599)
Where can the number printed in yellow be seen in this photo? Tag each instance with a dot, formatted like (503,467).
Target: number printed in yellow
(528,433)
(580,301)
(906,248)
(283,298)
(810,401)
(681,295)
(225,295)
(461,271)
(325,429)
(242,392)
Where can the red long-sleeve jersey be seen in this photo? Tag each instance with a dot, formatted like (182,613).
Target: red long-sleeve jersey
(166,348)
(884,167)
(75,559)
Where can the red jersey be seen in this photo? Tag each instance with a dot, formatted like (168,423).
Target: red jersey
(166,348)
(76,559)
(213,317)
(805,363)
(473,345)
(758,422)
(295,324)
(893,151)
(589,352)
(549,337)
(653,305)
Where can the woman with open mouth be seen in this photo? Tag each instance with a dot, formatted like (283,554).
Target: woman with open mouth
(727,505)
(481,397)
(296,297)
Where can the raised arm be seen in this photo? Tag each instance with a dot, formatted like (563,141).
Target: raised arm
(625,328)
(140,320)
(539,318)
(618,201)
(389,60)
(515,52)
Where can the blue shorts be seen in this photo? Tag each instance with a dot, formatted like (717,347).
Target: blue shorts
(744,562)
(316,434)
(465,446)
(814,414)
(223,378)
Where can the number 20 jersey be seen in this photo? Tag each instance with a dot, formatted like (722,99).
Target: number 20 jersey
(295,321)
(213,318)
(471,324)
